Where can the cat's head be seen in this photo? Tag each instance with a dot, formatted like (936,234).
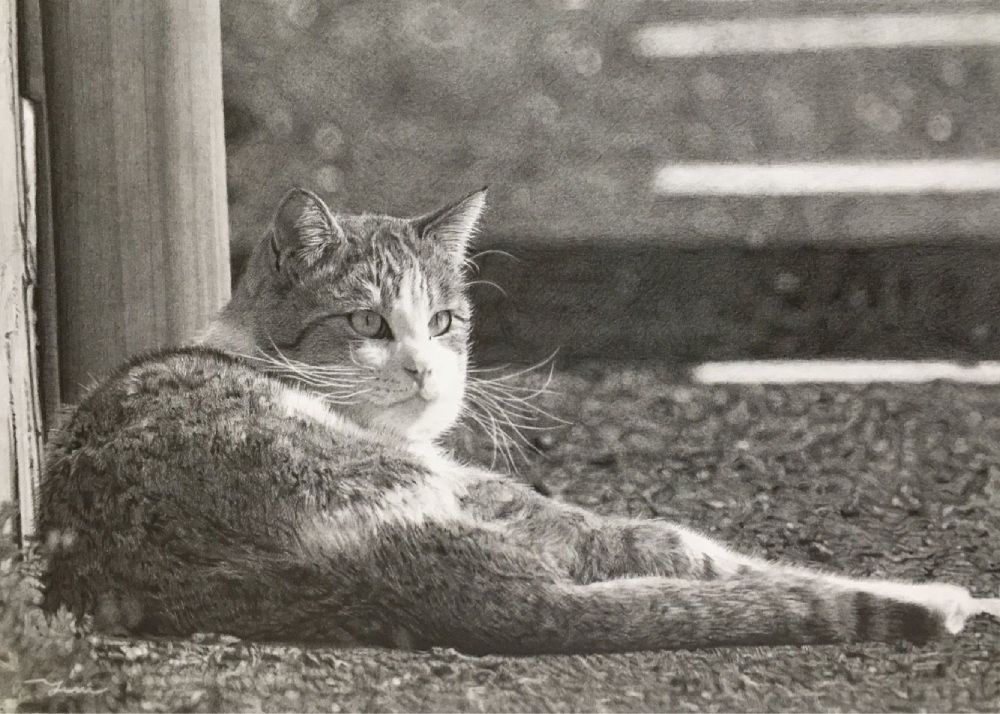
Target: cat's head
(370,310)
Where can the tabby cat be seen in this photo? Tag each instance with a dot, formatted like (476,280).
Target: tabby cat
(282,481)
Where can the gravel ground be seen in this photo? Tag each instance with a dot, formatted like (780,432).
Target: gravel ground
(897,481)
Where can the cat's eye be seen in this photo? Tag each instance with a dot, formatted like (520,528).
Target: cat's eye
(370,324)
(440,323)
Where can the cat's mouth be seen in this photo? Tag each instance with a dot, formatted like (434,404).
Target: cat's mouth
(416,398)
(426,394)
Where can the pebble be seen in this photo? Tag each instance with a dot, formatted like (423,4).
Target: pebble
(442,669)
(852,508)
(606,459)
(906,501)
(544,442)
(819,552)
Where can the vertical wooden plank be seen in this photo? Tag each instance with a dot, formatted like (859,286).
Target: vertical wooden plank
(27,403)
(134,99)
(20,434)
(10,237)
(31,74)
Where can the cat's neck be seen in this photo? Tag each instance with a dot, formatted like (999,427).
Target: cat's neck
(301,403)
(227,336)
(233,329)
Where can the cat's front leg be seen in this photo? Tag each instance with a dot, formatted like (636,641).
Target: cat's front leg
(593,548)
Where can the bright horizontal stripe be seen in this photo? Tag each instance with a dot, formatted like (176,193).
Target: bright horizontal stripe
(811,178)
(843,371)
(804,34)
(938,3)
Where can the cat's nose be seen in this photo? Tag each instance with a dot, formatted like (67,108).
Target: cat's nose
(418,374)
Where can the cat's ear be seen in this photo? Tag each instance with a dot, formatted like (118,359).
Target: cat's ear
(453,225)
(302,231)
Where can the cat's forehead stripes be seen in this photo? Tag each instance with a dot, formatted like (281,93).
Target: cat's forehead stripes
(410,309)
(371,269)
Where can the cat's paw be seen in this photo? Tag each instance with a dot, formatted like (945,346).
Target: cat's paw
(956,605)
(988,606)
(952,604)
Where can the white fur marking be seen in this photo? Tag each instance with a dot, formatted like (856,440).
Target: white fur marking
(433,500)
(300,404)
(725,562)
(954,603)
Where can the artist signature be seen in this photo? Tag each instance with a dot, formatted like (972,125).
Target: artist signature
(59,687)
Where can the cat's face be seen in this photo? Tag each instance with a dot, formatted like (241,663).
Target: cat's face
(370,310)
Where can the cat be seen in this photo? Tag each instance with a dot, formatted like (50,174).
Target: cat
(281,480)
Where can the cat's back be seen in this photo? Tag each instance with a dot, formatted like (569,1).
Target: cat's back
(161,397)
(191,407)
(202,420)
(194,453)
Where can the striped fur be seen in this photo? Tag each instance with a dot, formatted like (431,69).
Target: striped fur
(296,492)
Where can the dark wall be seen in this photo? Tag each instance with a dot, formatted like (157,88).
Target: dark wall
(688,305)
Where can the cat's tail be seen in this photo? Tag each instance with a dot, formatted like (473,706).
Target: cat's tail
(469,591)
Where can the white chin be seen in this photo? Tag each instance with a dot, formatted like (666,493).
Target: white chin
(418,419)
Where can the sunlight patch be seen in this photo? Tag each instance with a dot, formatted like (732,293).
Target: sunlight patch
(844,372)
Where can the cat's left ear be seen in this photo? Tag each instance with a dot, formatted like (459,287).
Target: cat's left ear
(453,225)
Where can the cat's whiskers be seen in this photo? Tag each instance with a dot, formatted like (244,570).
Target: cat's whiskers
(338,400)
(505,410)
(507,394)
(501,443)
(509,411)
(550,360)
(337,385)
(495,408)
(486,418)
(489,430)
(521,405)
(470,283)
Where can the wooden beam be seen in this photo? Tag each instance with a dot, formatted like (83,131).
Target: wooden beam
(841,371)
(134,93)
(32,86)
(779,35)
(817,178)
(20,423)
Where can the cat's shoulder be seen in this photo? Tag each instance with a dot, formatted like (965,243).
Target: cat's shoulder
(175,368)
(171,376)
(186,387)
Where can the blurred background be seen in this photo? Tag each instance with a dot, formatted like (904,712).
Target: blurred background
(576,112)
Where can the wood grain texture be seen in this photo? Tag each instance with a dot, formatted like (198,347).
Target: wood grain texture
(20,421)
(31,68)
(134,92)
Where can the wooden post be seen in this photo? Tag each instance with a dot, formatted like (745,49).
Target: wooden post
(134,95)
(20,421)
(32,86)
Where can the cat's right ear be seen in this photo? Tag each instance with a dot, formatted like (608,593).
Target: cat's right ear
(303,230)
